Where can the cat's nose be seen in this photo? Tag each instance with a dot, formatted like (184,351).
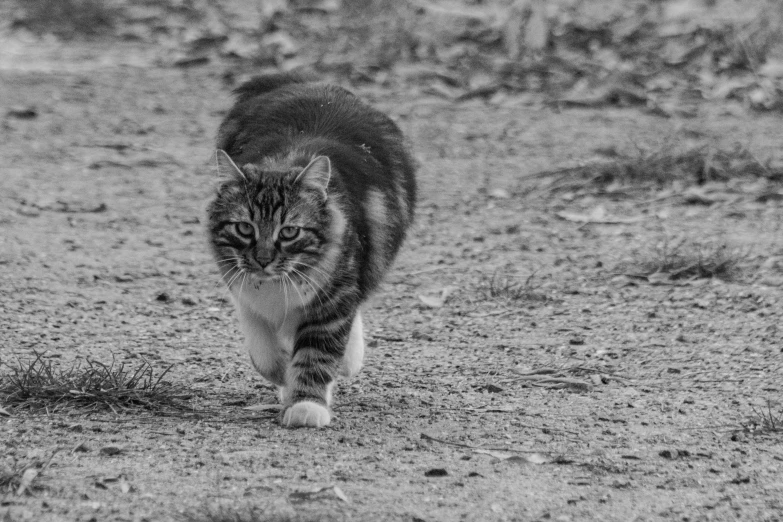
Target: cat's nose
(262,262)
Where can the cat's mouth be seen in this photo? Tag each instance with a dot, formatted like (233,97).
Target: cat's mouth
(264,277)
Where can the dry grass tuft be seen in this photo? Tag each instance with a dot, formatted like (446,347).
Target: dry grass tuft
(39,384)
(688,260)
(699,165)
(765,420)
(498,287)
(693,165)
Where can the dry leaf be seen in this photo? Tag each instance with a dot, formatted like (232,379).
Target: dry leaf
(439,300)
(659,278)
(499,193)
(532,458)
(772,68)
(28,477)
(318,493)
(597,216)
(4,412)
(497,454)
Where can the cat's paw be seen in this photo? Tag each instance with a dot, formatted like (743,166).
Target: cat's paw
(306,414)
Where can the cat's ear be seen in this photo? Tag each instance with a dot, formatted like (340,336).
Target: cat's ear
(226,168)
(316,174)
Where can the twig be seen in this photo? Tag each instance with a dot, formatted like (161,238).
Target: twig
(427,270)
(458,444)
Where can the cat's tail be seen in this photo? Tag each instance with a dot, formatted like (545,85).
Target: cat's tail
(267,83)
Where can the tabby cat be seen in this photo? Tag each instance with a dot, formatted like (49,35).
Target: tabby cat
(315,196)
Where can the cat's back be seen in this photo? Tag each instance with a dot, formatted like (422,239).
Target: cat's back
(275,112)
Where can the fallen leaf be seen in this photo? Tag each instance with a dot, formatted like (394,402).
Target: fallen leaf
(4,412)
(318,493)
(80,448)
(772,68)
(597,216)
(659,278)
(499,193)
(513,458)
(533,458)
(28,477)
(439,300)
(492,453)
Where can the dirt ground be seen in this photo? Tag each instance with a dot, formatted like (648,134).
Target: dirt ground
(653,411)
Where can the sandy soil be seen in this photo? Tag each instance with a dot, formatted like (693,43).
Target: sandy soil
(101,198)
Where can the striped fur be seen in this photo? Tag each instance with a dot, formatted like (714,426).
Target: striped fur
(316,194)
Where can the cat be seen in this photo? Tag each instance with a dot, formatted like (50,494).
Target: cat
(316,193)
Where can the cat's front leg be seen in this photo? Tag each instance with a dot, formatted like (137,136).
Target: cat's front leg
(311,376)
(266,351)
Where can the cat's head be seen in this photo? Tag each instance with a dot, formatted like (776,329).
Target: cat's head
(271,223)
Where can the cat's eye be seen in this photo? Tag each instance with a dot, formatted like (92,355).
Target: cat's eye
(288,233)
(245,229)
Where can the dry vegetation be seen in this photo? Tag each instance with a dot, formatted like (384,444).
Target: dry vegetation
(510,289)
(41,384)
(766,420)
(662,56)
(674,260)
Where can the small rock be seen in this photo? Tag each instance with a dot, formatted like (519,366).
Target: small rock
(674,454)
(436,472)
(499,193)
(163,297)
(110,450)
(669,454)
(189,301)
(22,113)
(423,336)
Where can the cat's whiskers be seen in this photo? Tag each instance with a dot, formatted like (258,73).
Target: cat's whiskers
(244,280)
(224,272)
(312,283)
(234,278)
(284,285)
(320,284)
(313,268)
(317,291)
(296,289)
(225,293)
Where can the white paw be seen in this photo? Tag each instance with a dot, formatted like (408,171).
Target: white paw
(306,414)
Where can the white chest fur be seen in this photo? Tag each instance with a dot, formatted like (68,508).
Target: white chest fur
(269,316)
